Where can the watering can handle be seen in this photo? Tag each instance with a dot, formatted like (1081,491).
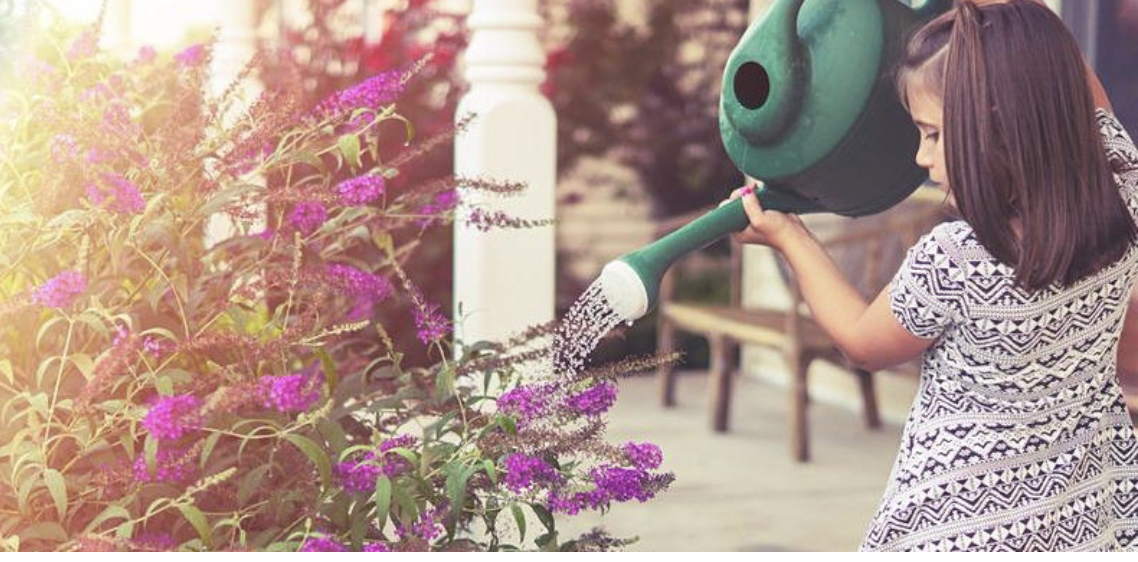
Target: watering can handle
(733,218)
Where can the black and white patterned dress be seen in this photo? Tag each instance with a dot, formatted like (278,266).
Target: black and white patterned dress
(1019,437)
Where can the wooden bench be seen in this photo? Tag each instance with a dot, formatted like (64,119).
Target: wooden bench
(868,249)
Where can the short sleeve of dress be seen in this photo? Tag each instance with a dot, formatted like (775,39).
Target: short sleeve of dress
(1122,155)
(927,293)
(1120,149)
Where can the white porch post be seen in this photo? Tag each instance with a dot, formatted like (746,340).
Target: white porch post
(504,279)
(236,22)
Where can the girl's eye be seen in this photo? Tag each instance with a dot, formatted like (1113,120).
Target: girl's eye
(932,136)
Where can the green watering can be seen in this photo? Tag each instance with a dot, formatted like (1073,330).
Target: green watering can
(807,106)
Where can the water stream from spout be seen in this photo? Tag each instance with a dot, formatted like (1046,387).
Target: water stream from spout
(582,328)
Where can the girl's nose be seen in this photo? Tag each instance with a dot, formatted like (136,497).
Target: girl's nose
(924,156)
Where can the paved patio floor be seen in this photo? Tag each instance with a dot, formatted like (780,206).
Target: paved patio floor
(740,491)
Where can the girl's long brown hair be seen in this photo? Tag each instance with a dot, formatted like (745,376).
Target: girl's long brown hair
(1022,140)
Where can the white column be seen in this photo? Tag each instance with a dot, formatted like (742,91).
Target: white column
(236,22)
(504,279)
(117,29)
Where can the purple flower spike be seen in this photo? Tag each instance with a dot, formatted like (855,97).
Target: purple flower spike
(172,417)
(61,290)
(594,401)
(172,465)
(192,56)
(372,93)
(357,477)
(292,393)
(525,403)
(322,544)
(360,190)
(644,456)
(524,472)
(308,216)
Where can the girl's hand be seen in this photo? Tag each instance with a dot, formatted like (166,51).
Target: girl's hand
(769,228)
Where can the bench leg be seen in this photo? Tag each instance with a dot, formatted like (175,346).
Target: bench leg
(799,403)
(868,399)
(666,373)
(720,381)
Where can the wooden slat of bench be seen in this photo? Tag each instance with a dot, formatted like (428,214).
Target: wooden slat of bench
(745,325)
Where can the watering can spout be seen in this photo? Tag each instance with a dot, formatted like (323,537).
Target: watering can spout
(631,284)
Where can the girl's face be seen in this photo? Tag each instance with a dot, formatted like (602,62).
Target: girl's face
(927,112)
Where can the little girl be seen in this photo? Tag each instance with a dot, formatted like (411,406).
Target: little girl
(1019,438)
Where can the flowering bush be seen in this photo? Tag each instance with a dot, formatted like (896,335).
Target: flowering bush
(321,48)
(162,392)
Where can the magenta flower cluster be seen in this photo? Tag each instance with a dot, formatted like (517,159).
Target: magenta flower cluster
(358,283)
(430,324)
(191,56)
(361,476)
(172,465)
(379,90)
(173,417)
(308,216)
(525,403)
(64,149)
(61,290)
(329,544)
(610,483)
(119,195)
(644,456)
(292,393)
(443,202)
(360,190)
(427,527)
(322,544)
(594,400)
(524,472)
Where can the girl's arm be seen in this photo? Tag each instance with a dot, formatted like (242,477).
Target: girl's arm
(868,334)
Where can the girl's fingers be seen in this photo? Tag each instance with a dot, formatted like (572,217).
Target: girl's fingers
(753,208)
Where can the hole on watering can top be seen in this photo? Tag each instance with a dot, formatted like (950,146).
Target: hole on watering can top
(752,85)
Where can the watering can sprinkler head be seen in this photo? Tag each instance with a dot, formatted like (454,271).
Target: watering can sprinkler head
(806,106)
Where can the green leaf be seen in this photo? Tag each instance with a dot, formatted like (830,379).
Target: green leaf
(10,544)
(111,512)
(350,148)
(84,363)
(164,385)
(250,483)
(383,240)
(382,500)
(547,542)
(314,454)
(544,516)
(6,370)
(457,477)
(198,520)
(444,383)
(150,450)
(58,489)
(47,530)
(508,424)
(331,374)
(226,197)
(520,519)
(207,449)
(491,471)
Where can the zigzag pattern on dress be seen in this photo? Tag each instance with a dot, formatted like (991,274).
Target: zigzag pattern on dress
(1019,438)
